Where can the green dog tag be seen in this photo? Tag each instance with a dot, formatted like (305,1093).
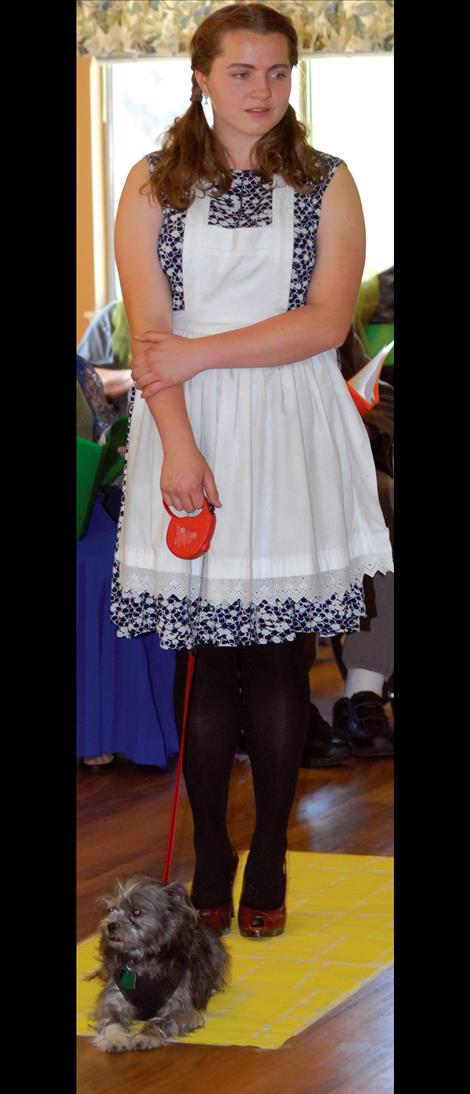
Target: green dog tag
(128,979)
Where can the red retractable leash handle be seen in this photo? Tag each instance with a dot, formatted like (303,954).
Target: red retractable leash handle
(190,537)
(187,537)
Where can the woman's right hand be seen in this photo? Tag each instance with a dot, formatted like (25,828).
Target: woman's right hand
(186,479)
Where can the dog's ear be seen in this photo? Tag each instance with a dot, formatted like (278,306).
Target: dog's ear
(178,896)
(108,899)
(103,901)
(177,892)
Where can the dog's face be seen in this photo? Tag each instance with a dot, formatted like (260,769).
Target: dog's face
(142,915)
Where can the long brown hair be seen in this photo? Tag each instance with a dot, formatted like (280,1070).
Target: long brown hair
(191,152)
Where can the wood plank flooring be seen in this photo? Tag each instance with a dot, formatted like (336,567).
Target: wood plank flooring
(122,827)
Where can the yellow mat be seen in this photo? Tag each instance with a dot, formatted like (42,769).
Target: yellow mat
(339,935)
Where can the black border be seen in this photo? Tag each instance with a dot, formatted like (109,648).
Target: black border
(39,465)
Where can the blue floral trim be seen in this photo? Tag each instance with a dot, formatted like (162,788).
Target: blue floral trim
(170,252)
(307,208)
(181,624)
(248,203)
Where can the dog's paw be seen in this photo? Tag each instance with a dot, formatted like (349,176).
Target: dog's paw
(189,1024)
(142,1042)
(113,1038)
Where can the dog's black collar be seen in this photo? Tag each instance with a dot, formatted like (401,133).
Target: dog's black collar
(148,994)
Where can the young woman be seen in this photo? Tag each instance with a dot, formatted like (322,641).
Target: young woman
(240,251)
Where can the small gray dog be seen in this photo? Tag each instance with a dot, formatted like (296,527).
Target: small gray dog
(161,963)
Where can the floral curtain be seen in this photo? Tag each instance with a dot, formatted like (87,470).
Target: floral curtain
(137,28)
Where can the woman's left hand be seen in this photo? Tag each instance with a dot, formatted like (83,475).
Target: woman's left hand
(166,360)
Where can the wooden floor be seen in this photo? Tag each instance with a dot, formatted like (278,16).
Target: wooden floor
(122,827)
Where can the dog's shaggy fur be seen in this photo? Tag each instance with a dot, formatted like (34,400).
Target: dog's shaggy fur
(154,931)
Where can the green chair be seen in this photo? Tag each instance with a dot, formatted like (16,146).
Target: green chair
(97,465)
(377,335)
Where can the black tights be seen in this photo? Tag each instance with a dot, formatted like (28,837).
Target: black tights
(266,687)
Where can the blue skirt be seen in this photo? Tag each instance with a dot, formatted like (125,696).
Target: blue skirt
(124,686)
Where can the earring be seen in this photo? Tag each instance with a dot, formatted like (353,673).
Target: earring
(207,109)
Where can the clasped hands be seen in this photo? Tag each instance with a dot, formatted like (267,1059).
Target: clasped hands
(166,360)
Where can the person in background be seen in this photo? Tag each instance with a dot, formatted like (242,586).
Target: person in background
(94,414)
(106,345)
(124,697)
(368,654)
(360,726)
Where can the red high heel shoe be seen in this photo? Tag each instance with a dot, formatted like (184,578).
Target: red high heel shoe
(219,917)
(256,923)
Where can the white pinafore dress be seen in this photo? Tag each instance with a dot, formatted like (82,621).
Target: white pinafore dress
(301,522)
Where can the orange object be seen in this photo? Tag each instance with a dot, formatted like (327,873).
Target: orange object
(364,385)
(190,537)
(362,404)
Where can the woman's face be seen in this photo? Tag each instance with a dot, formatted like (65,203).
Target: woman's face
(249,85)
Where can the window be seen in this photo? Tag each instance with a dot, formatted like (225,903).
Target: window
(350,105)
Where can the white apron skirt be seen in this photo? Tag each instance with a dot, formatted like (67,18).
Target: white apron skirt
(301,522)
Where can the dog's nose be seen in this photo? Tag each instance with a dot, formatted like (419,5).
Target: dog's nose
(112,928)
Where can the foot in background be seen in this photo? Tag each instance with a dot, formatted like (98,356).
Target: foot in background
(99,763)
(323,748)
(360,721)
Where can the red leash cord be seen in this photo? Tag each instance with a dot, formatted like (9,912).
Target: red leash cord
(187,537)
(174,808)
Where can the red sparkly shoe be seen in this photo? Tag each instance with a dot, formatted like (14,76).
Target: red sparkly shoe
(257,923)
(254,923)
(219,917)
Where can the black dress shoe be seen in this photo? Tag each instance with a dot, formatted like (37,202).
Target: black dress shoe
(322,748)
(361,722)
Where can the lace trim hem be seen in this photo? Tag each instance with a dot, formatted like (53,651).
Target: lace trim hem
(135,582)
(182,623)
